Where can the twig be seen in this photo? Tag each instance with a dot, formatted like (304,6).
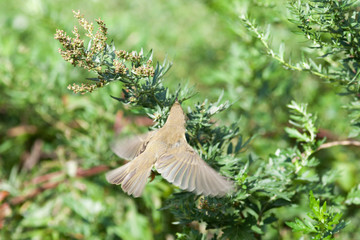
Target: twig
(45,178)
(33,157)
(50,185)
(263,39)
(91,171)
(339,143)
(329,145)
(20,199)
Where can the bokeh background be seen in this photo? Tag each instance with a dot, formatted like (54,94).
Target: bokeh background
(54,145)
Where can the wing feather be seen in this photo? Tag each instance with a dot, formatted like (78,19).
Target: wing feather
(183,167)
(130,148)
(204,187)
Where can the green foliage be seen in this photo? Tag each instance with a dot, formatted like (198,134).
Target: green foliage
(354,196)
(333,29)
(142,82)
(142,86)
(265,190)
(300,118)
(54,145)
(324,222)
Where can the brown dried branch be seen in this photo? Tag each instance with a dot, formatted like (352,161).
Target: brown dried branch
(21,129)
(91,171)
(46,177)
(332,144)
(32,158)
(20,199)
(339,143)
(50,185)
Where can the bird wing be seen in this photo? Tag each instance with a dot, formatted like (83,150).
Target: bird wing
(183,167)
(129,148)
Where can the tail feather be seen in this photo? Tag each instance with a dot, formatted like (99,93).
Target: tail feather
(117,175)
(132,178)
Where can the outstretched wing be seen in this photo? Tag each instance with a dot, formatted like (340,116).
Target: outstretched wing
(183,167)
(129,148)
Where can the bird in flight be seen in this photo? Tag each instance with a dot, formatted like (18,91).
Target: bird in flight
(166,149)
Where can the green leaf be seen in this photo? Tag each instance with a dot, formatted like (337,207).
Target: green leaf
(353,196)
(300,226)
(296,134)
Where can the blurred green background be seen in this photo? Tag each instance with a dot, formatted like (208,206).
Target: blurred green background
(45,128)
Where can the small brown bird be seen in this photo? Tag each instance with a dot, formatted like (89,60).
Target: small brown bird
(166,149)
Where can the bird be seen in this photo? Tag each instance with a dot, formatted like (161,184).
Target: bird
(167,150)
